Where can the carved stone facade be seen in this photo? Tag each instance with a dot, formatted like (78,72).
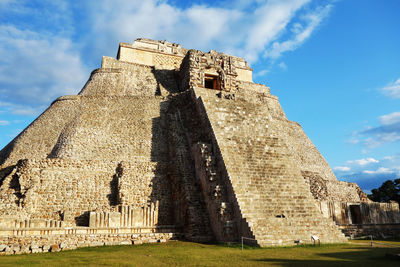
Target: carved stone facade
(165,142)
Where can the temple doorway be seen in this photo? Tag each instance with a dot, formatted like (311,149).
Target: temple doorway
(212,82)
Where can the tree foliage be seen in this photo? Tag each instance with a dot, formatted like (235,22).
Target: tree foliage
(389,190)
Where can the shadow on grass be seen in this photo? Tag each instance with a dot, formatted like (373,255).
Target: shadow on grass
(348,256)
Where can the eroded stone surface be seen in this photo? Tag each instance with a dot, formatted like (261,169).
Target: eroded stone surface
(165,142)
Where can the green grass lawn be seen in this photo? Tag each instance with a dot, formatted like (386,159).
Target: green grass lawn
(193,254)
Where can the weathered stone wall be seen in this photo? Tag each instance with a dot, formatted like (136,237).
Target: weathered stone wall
(190,210)
(38,139)
(117,78)
(47,240)
(197,65)
(270,190)
(52,188)
(111,138)
(152,53)
(369,212)
(333,190)
(381,231)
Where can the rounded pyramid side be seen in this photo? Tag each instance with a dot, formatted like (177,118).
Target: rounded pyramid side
(38,139)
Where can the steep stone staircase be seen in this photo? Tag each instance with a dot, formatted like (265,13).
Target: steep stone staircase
(272,195)
(197,225)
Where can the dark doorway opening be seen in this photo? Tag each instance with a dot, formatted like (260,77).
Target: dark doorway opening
(355,213)
(212,82)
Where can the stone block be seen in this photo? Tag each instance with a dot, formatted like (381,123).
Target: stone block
(96,244)
(114,219)
(126,242)
(25,249)
(137,242)
(16,248)
(36,250)
(55,248)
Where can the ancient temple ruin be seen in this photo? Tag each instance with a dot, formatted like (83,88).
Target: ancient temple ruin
(164,142)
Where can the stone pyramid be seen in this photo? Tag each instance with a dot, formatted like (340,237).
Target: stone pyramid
(168,140)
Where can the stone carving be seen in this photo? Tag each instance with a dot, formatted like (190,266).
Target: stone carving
(165,142)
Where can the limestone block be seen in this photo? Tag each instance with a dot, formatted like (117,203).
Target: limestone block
(96,244)
(55,248)
(36,250)
(137,242)
(92,219)
(25,249)
(114,219)
(7,223)
(16,248)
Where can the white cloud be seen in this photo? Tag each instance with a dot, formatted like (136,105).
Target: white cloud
(381,170)
(342,168)
(4,122)
(282,65)
(246,30)
(388,131)
(261,73)
(392,90)
(381,138)
(363,162)
(390,158)
(41,61)
(301,32)
(18,109)
(270,21)
(353,141)
(390,118)
(36,68)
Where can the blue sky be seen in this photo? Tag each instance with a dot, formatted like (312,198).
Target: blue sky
(335,65)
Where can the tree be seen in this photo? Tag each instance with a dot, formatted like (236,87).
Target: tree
(389,190)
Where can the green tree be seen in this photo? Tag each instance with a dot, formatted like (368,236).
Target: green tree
(389,190)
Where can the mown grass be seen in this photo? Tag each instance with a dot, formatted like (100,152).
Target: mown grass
(193,254)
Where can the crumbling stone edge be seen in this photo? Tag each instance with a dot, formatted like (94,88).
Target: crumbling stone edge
(41,244)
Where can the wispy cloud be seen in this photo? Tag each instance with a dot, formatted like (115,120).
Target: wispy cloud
(48,56)
(388,131)
(4,122)
(35,68)
(342,168)
(369,173)
(390,119)
(21,109)
(393,89)
(363,162)
(247,30)
(282,65)
(301,32)
(381,170)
